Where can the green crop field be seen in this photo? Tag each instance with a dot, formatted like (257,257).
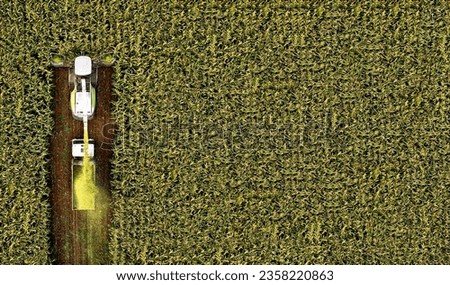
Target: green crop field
(249,132)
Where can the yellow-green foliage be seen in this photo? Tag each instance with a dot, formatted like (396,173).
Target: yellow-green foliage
(249,131)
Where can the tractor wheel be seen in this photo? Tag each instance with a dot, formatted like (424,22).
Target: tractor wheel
(94,76)
(71,79)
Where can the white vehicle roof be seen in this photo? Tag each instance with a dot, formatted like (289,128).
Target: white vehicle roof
(78,148)
(83,65)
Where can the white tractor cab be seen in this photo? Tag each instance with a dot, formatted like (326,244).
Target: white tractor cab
(83,81)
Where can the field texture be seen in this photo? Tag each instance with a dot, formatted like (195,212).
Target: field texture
(248,131)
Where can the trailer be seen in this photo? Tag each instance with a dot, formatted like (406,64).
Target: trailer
(79,185)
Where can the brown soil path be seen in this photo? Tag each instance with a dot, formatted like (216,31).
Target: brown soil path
(80,237)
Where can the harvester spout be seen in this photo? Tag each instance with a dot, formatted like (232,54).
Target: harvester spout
(85,123)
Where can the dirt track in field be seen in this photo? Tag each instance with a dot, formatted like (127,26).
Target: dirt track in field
(80,237)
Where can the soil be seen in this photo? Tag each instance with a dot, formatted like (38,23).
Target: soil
(80,236)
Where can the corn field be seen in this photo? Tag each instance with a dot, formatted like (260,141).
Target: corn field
(248,132)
